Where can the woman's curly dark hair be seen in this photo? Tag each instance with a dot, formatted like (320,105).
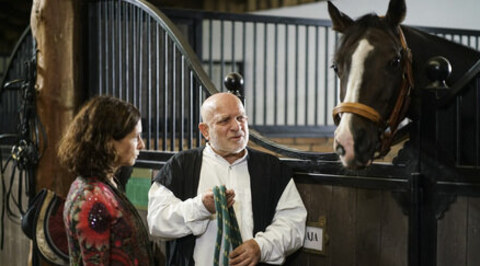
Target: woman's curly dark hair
(86,149)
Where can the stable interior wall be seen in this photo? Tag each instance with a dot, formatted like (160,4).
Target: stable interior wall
(461,14)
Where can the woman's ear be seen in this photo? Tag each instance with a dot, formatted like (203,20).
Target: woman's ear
(204,129)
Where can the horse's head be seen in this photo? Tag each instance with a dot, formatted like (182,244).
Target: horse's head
(373,65)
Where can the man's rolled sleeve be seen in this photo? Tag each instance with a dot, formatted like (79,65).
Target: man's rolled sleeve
(168,217)
(286,233)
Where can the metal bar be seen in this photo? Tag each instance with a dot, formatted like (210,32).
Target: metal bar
(265,58)
(174,99)
(141,58)
(199,102)
(244,56)
(134,53)
(128,17)
(317,70)
(222,55)
(233,47)
(100,52)
(458,138)
(254,75)
(112,43)
(477,122)
(165,91)
(275,81)
(286,75)
(93,23)
(327,110)
(107,50)
(182,103)
(296,75)
(157,89)
(149,85)
(306,73)
(210,49)
(120,48)
(190,110)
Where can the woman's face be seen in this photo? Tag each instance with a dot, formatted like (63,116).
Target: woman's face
(129,147)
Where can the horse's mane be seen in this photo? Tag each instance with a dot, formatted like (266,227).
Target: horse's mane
(369,20)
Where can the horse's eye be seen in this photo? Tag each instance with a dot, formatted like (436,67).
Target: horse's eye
(335,68)
(395,62)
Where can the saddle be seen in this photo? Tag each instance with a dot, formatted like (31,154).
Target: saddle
(43,223)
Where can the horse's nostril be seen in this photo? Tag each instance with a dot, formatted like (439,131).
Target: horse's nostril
(340,150)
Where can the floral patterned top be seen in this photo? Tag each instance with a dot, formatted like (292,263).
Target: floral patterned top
(103,227)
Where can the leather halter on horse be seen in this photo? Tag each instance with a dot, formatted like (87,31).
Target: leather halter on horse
(389,127)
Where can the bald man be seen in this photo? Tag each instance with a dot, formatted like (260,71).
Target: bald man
(181,208)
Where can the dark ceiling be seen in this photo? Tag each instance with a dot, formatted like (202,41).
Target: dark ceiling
(14,19)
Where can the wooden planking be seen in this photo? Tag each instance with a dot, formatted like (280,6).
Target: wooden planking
(320,203)
(452,234)
(16,246)
(367,227)
(394,239)
(364,227)
(458,233)
(473,231)
(341,219)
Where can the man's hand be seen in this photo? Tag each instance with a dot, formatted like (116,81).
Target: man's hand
(247,253)
(209,201)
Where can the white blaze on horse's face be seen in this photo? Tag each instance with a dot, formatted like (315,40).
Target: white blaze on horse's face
(343,135)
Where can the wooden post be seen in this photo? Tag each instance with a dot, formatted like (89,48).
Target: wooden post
(56,28)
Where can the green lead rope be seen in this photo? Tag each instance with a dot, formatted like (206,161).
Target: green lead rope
(227,220)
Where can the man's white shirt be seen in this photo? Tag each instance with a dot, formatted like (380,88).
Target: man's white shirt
(170,218)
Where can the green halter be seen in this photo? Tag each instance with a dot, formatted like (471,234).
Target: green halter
(225,216)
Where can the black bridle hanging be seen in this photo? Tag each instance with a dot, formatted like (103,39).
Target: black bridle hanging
(24,155)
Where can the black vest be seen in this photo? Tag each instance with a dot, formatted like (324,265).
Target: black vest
(181,174)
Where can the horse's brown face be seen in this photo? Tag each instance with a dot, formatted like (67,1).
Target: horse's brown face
(369,63)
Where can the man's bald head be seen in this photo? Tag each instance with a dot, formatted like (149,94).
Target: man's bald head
(216,101)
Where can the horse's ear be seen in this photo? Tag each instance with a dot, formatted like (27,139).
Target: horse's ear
(340,21)
(397,10)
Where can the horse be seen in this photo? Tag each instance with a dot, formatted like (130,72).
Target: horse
(380,65)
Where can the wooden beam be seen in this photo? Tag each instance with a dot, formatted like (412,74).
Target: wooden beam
(262,4)
(251,5)
(221,6)
(58,84)
(274,3)
(209,4)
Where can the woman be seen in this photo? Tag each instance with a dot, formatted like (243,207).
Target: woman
(103,227)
